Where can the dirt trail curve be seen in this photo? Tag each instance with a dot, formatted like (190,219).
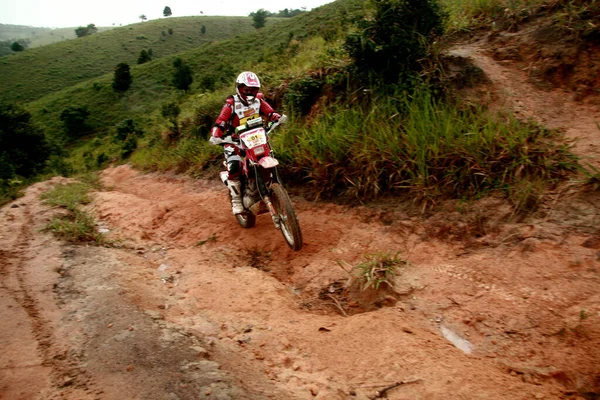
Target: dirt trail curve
(512,89)
(187,305)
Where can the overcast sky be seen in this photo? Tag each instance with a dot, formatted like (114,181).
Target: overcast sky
(74,13)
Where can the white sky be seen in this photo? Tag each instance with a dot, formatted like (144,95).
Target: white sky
(74,13)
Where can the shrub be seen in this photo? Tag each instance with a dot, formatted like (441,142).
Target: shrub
(74,121)
(86,31)
(302,94)
(129,146)
(171,111)
(144,57)
(259,18)
(122,78)
(23,146)
(182,77)
(389,46)
(208,83)
(125,129)
(16,46)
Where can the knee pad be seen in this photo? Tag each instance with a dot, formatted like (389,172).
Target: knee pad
(234,168)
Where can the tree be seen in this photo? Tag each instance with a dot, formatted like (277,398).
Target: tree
(16,46)
(259,18)
(144,57)
(390,45)
(74,121)
(182,78)
(122,78)
(86,31)
(203,29)
(167,11)
(127,135)
(143,17)
(23,146)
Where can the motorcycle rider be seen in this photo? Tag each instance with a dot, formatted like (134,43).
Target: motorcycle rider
(246,104)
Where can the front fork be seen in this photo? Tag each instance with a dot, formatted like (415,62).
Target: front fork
(264,194)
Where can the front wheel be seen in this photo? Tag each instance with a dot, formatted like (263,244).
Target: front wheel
(290,227)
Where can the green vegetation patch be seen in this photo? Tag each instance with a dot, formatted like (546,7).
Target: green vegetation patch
(34,73)
(75,225)
(578,17)
(378,269)
(430,147)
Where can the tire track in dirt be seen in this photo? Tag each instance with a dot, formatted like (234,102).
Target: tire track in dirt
(73,331)
(61,365)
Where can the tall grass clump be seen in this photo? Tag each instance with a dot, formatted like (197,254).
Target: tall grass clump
(422,145)
(580,17)
(75,225)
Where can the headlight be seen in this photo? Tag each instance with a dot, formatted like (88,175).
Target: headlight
(259,151)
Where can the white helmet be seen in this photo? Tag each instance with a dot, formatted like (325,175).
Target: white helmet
(246,86)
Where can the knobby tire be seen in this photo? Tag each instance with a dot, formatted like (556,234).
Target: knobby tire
(290,227)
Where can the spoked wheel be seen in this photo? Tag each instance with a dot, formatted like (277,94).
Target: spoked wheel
(246,219)
(290,228)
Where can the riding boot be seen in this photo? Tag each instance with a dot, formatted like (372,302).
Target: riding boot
(235,189)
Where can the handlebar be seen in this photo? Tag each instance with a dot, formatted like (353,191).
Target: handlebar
(221,142)
(282,120)
(228,140)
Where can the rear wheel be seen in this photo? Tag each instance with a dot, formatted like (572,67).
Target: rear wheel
(290,227)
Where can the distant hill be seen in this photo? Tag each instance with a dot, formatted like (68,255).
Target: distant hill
(219,62)
(34,73)
(39,36)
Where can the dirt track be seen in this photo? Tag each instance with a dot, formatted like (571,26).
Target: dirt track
(187,305)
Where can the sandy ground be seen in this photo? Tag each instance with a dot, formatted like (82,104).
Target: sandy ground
(185,304)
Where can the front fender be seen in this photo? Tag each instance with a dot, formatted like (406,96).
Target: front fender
(268,162)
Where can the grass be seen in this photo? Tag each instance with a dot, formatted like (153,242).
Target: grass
(378,269)
(580,17)
(592,175)
(211,239)
(419,144)
(75,225)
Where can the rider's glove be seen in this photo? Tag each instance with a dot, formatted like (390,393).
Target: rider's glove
(275,117)
(215,140)
(216,131)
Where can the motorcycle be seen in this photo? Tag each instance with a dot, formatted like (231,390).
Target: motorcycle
(262,189)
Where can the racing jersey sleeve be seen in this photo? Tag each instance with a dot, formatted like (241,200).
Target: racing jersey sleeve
(225,114)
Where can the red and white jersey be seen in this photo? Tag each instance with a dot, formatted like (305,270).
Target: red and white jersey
(234,113)
(243,112)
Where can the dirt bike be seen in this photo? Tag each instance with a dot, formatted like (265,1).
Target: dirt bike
(262,190)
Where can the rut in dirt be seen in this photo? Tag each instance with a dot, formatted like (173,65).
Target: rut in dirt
(487,289)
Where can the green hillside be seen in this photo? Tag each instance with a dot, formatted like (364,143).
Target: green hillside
(34,73)
(269,52)
(372,109)
(39,36)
